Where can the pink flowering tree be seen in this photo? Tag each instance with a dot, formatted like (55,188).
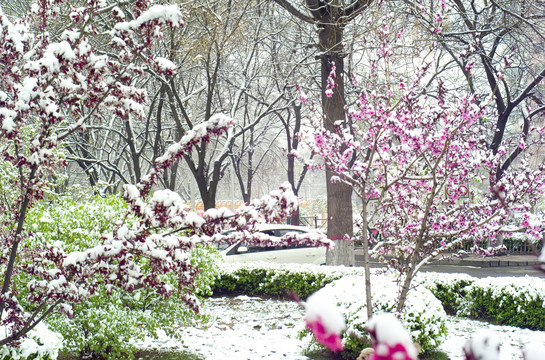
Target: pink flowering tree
(52,85)
(417,158)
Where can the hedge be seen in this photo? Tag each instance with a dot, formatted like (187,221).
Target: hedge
(505,301)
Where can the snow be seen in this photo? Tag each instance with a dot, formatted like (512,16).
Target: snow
(26,93)
(534,352)
(7,117)
(40,343)
(254,328)
(165,64)
(242,328)
(64,50)
(74,258)
(71,35)
(159,13)
(483,345)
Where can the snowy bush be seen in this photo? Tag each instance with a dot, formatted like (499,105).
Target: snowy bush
(107,326)
(506,301)
(423,315)
(448,288)
(78,224)
(41,343)
(510,301)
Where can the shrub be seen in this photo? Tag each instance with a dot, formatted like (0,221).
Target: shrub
(41,343)
(512,301)
(423,315)
(447,288)
(506,301)
(107,325)
(78,225)
(262,278)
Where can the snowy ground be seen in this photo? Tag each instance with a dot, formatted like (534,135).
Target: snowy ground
(253,328)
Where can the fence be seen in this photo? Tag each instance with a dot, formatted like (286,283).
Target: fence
(312,221)
(512,246)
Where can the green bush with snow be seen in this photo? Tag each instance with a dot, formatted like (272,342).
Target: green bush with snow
(514,301)
(264,278)
(506,301)
(41,344)
(448,288)
(107,325)
(77,224)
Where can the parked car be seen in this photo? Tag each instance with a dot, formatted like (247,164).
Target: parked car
(278,254)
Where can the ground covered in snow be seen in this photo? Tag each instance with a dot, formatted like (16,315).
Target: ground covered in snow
(254,328)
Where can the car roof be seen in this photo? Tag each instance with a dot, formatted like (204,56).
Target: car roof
(269,227)
(264,227)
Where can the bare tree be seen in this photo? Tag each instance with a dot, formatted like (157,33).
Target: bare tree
(497,47)
(215,69)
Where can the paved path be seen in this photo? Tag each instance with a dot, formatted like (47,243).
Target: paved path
(478,266)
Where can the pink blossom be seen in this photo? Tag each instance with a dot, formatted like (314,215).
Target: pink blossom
(332,341)
(302,96)
(325,321)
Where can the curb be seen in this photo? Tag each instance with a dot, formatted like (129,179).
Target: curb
(488,262)
(475,261)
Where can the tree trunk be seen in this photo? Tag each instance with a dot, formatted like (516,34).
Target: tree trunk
(366,260)
(339,195)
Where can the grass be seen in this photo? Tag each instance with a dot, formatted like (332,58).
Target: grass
(434,355)
(327,355)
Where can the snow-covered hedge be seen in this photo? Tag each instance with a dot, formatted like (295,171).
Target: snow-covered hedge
(514,301)
(423,315)
(262,278)
(448,288)
(506,301)
(41,344)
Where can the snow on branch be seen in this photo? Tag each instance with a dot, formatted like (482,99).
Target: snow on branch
(53,84)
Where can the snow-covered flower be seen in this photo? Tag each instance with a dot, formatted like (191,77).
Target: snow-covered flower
(325,321)
(391,340)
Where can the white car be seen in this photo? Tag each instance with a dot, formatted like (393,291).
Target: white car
(279,254)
